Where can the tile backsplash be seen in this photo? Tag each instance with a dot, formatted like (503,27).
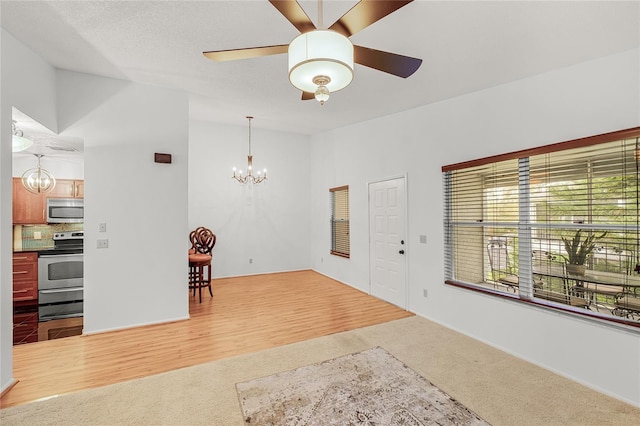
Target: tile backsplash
(25,235)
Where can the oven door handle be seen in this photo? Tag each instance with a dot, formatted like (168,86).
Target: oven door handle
(59,255)
(58,316)
(61,290)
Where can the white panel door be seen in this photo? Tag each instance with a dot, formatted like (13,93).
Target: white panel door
(387,258)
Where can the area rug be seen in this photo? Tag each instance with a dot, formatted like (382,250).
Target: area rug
(365,388)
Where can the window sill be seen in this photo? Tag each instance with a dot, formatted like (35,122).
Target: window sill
(336,253)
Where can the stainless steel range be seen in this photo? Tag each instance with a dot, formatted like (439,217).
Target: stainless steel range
(61,277)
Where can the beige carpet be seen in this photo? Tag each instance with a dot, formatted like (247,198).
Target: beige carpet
(500,388)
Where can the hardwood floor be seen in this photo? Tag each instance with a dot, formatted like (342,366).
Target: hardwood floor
(246,314)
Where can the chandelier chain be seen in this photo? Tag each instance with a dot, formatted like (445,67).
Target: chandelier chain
(249,118)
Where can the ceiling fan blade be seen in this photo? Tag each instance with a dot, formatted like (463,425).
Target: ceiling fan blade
(307,96)
(392,63)
(365,13)
(295,14)
(249,52)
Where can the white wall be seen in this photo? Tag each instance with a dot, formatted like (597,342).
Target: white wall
(60,168)
(28,83)
(268,222)
(583,100)
(141,278)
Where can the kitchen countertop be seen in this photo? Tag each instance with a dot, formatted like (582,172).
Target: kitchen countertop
(52,250)
(28,250)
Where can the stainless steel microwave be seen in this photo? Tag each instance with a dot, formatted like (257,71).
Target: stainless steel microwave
(65,210)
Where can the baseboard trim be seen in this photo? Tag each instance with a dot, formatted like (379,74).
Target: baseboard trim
(8,388)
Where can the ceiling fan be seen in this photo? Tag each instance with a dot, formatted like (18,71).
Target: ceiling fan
(321,60)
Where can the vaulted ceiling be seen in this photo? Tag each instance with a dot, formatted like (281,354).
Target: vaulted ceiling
(466,46)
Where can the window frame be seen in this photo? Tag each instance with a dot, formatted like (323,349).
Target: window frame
(336,243)
(525,297)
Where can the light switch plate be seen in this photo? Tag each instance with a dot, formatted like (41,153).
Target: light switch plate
(103,243)
(102,227)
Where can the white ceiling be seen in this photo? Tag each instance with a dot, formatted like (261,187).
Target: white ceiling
(46,142)
(465,47)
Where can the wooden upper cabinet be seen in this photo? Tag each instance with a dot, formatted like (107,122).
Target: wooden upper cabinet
(67,188)
(64,189)
(28,208)
(79,188)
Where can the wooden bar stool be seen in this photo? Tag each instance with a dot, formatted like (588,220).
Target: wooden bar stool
(200,258)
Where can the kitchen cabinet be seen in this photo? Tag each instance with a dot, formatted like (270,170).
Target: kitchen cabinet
(28,208)
(25,277)
(67,188)
(25,297)
(25,327)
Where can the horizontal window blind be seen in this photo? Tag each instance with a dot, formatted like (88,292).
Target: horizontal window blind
(532,224)
(340,221)
(483,214)
(588,192)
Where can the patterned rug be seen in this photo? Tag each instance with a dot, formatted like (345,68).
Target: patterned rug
(366,388)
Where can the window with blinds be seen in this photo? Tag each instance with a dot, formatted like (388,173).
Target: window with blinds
(340,221)
(557,225)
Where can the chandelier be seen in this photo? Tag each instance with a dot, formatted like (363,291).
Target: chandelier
(249,177)
(18,141)
(38,180)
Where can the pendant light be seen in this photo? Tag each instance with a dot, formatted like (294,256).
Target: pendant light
(38,180)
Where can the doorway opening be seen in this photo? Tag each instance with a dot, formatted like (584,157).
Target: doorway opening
(48,232)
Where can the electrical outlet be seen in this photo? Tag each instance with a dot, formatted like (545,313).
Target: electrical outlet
(103,243)
(425,292)
(37,235)
(250,261)
(423,239)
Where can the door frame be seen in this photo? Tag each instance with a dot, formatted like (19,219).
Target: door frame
(407,244)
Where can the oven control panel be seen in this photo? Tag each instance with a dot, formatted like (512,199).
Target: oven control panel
(76,235)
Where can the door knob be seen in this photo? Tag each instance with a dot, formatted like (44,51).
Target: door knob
(401,252)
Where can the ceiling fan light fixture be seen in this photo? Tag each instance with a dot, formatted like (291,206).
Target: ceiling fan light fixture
(18,141)
(320,53)
(322,93)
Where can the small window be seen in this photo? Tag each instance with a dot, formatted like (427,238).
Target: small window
(340,221)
